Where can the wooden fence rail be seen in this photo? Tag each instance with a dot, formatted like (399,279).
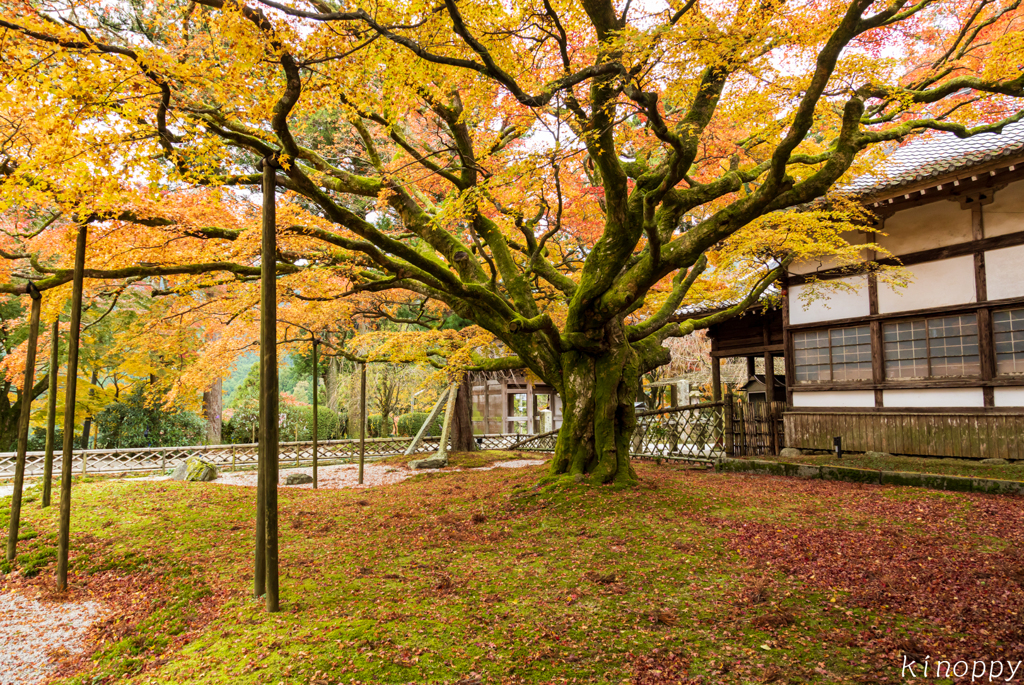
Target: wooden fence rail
(692,433)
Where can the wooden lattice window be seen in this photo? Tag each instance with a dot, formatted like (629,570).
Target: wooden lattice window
(942,347)
(836,354)
(1008,331)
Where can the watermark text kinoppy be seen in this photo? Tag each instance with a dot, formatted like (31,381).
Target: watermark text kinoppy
(979,671)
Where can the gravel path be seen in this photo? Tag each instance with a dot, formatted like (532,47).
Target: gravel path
(347,475)
(31,630)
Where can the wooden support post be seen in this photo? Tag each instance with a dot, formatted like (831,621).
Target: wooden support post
(716,379)
(26,413)
(362,419)
(316,391)
(74,337)
(51,411)
(769,396)
(269,399)
(530,429)
(431,417)
(750,367)
(727,419)
(449,415)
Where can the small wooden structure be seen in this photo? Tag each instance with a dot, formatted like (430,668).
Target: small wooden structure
(510,402)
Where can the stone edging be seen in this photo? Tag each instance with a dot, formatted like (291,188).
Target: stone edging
(989,486)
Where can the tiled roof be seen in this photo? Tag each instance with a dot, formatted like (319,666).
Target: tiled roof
(937,154)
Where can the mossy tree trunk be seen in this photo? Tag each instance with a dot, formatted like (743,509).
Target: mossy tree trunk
(598,417)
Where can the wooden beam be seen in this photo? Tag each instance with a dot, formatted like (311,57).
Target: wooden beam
(750,351)
(922,256)
(71,385)
(431,417)
(967,308)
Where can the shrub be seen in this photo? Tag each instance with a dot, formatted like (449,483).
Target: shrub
(131,423)
(409,424)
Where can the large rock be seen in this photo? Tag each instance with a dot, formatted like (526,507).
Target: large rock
(179,471)
(994,461)
(198,469)
(438,461)
(790,453)
(298,479)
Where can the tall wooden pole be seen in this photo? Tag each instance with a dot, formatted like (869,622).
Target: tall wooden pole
(716,379)
(269,399)
(51,411)
(26,414)
(64,538)
(362,419)
(316,391)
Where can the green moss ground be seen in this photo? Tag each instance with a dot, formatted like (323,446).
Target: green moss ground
(478,577)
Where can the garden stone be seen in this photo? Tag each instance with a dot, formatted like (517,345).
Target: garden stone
(438,461)
(877,455)
(179,471)
(298,479)
(790,453)
(994,461)
(200,470)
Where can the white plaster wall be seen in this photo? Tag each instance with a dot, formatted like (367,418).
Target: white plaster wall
(1006,213)
(811,266)
(1004,272)
(1008,397)
(935,284)
(839,305)
(934,397)
(835,398)
(936,224)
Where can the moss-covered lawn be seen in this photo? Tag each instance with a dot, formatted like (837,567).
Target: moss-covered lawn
(946,467)
(475,577)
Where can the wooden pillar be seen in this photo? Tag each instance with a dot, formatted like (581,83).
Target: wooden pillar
(716,379)
(769,395)
(51,411)
(750,367)
(530,430)
(269,399)
(362,419)
(74,337)
(727,430)
(673,397)
(316,391)
(487,403)
(26,413)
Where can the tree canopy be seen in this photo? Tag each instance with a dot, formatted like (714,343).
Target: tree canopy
(567,175)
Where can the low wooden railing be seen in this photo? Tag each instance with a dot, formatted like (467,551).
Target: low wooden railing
(693,433)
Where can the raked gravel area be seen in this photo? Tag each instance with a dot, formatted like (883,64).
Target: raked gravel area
(31,630)
(347,475)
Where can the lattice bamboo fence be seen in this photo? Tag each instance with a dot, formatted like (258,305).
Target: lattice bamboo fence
(692,433)
(230,456)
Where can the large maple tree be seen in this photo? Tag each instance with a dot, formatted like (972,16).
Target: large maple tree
(566,174)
